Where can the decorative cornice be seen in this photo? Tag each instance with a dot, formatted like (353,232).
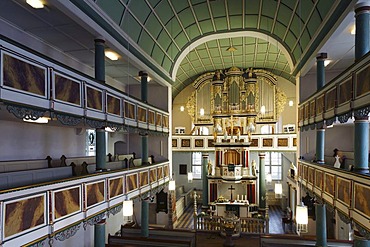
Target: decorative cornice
(67,233)
(96,124)
(362,113)
(25,113)
(330,121)
(344,117)
(363,231)
(68,120)
(320,125)
(115,210)
(312,126)
(40,243)
(94,220)
(344,217)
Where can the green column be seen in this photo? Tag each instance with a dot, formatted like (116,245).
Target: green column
(361,242)
(205,179)
(320,72)
(145,218)
(144,149)
(361,151)
(100,150)
(321,238)
(262,182)
(320,146)
(99,234)
(362,37)
(100,59)
(144,86)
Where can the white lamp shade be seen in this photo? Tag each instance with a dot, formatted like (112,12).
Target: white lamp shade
(269,178)
(172,185)
(301,215)
(278,188)
(263,109)
(190,177)
(128,208)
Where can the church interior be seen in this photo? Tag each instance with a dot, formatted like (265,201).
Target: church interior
(184,123)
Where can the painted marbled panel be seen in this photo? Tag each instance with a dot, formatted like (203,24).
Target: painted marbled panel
(153,175)
(345,91)
(312,108)
(151,118)
(144,179)
(267,142)
(294,142)
(66,202)
(311,173)
(129,110)
(113,105)
(282,142)
(165,121)
(160,173)
(306,111)
(94,99)
(158,120)
(23,215)
(254,143)
(23,76)
(94,193)
(305,173)
(330,98)
(67,90)
(319,179)
(329,184)
(115,187)
(141,114)
(131,182)
(344,190)
(362,202)
(320,104)
(166,171)
(363,82)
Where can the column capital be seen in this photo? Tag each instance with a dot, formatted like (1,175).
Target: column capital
(321,56)
(262,155)
(362,7)
(143,73)
(99,39)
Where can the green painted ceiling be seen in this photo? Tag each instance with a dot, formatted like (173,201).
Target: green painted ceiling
(164,29)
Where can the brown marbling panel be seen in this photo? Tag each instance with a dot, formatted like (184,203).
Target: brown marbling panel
(294,142)
(67,90)
(131,182)
(300,170)
(211,143)
(312,108)
(141,114)
(363,82)
(254,143)
(129,110)
(185,143)
(344,190)
(166,171)
(144,179)
(329,184)
(362,202)
(113,105)
(160,172)
(301,114)
(319,179)
(282,142)
(23,215)
(153,175)
(305,172)
(345,91)
(267,142)
(199,143)
(320,104)
(67,202)
(23,76)
(94,99)
(158,120)
(306,111)
(330,98)
(95,193)
(311,176)
(151,118)
(115,187)
(165,121)
(174,143)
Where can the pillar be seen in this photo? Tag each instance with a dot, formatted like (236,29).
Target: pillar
(262,181)
(144,86)
(100,59)
(320,146)
(99,234)
(360,241)
(145,218)
(321,239)
(361,151)
(144,149)
(362,37)
(205,180)
(320,73)
(100,150)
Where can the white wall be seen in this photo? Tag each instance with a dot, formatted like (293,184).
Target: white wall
(82,238)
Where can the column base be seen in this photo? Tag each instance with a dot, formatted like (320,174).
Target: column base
(321,162)
(361,170)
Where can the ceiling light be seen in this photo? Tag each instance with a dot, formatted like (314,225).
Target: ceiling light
(112,55)
(36,4)
(327,62)
(182,108)
(353,30)
(41,120)
(231,49)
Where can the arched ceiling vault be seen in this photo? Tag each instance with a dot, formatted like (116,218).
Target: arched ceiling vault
(163,30)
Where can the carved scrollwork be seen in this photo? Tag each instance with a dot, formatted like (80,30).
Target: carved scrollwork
(330,121)
(113,126)
(68,120)
(306,127)
(67,233)
(95,219)
(25,113)
(41,243)
(329,207)
(115,210)
(344,217)
(344,118)
(363,231)
(96,124)
(362,113)
(320,125)
(312,126)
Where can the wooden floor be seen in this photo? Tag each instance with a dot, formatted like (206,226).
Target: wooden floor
(186,221)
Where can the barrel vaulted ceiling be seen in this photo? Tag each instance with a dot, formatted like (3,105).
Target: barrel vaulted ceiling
(279,35)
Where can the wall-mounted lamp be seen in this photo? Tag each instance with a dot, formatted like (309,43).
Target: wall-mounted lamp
(278,190)
(128,208)
(182,108)
(172,185)
(302,218)
(190,177)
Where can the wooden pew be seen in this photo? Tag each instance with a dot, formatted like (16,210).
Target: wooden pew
(116,241)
